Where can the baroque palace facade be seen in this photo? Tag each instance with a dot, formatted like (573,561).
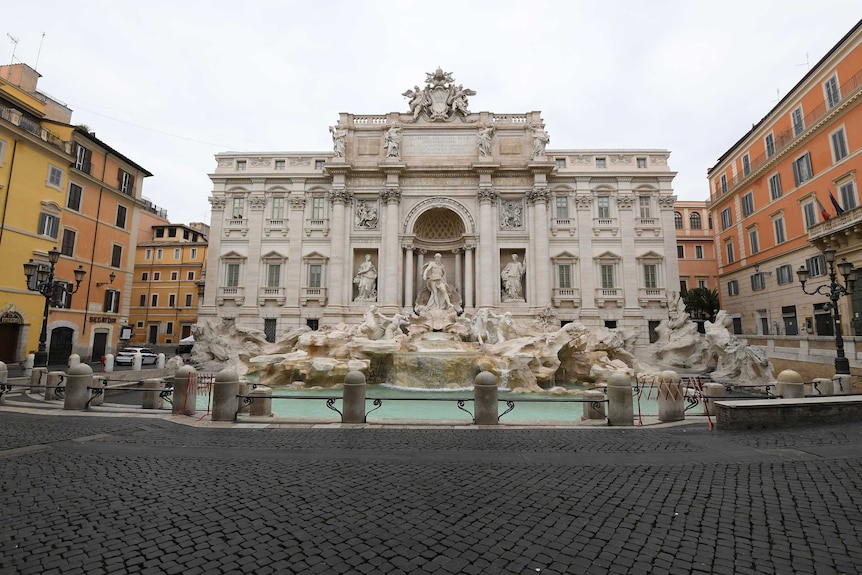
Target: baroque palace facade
(315,238)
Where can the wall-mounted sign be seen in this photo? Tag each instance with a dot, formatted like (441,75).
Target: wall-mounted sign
(11,317)
(102,319)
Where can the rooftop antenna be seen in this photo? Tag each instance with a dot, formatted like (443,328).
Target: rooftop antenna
(15,42)
(806,64)
(39,53)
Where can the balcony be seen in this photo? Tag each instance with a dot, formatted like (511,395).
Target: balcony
(316,294)
(605,225)
(605,295)
(563,224)
(275,294)
(17,118)
(314,224)
(278,226)
(838,231)
(646,296)
(567,295)
(648,225)
(235,226)
(231,293)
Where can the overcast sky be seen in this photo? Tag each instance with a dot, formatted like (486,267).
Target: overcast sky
(170,84)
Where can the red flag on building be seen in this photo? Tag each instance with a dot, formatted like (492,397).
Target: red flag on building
(823,213)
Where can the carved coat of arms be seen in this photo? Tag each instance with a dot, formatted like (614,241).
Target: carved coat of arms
(440,100)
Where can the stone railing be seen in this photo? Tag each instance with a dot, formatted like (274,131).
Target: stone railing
(841,223)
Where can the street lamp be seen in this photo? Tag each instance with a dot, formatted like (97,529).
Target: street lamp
(45,285)
(833,291)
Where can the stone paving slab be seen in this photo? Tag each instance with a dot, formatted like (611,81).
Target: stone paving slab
(121,495)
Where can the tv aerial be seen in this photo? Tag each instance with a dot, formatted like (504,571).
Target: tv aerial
(14,47)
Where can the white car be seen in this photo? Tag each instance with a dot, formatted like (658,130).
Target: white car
(127,356)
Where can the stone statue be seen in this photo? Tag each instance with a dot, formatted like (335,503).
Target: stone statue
(512,274)
(339,140)
(458,100)
(392,141)
(366,280)
(511,216)
(483,141)
(434,275)
(366,215)
(676,313)
(418,99)
(540,140)
(440,100)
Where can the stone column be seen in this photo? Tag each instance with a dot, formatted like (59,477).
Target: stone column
(37,379)
(468,276)
(225,390)
(54,380)
(459,284)
(98,381)
(540,264)
(842,384)
(790,384)
(671,400)
(353,404)
(4,372)
(335,283)
(388,288)
(217,202)
(485,399)
(262,404)
(79,379)
(184,399)
(409,297)
(109,363)
(820,386)
(151,399)
(420,264)
(590,398)
(488,294)
(620,400)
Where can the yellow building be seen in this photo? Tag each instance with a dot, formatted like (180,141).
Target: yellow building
(169,265)
(61,187)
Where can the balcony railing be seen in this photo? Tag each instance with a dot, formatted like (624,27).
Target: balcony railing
(271,294)
(842,223)
(604,295)
(231,293)
(648,295)
(17,118)
(569,295)
(275,225)
(317,294)
(567,224)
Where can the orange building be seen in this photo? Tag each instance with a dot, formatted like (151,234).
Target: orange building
(695,246)
(772,192)
(169,265)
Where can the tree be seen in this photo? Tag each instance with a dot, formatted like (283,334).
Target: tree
(702,303)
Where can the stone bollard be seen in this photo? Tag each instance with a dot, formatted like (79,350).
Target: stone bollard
(4,372)
(74,360)
(109,363)
(820,386)
(79,379)
(712,392)
(244,387)
(184,402)
(262,404)
(137,361)
(151,399)
(37,379)
(353,402)
(99,381)
(55,379)
(29,361)
(671,397)
(621,410)
(591,410)
(790,384)
(225,390)
(160,361)
(841,384)
(485,399)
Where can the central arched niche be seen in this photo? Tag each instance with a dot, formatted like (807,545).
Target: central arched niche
(438,226)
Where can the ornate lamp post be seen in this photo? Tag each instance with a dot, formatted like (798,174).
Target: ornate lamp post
(833,291)
(46,286)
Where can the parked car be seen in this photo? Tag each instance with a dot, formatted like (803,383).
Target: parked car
(126,356)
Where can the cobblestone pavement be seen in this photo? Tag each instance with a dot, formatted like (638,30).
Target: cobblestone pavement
(119,495)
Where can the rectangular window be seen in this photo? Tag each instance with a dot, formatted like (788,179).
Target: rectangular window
(55,177)
(644,202)
(565,272)
(112,301)
(802,169)
(48,225)
(157,276)
(318,164)
(601,163)
(62,296)
(273,275)
(140,324)
(562,207)
(172,300)
(67,248)
(174,276)
(190,276)
(317,208)
(816,265)
(154,300)
(232,275)
(278,208)
(169,327)
(83,157)
(780,236)
(833,94)
(726,219)
(143,300)
(748,204)
(848,195)
(560,163)
(683,286)
(269,328)
(746,165)
(698,252)
(172,232)
(784,274)
(770,145)
(723,184)
(839,145)
(604,206)
(188,300)
(159,253)
(701,284)
(650,276)
(798,121)
(775,186)
(148,254)
(240,165)
(145,276)
(733,287)
(117,256)
(730,255)
(194,254)
(758,282)
(74,200)
(641,163)
(315,275)
(754,241)
(680,251)
(121,217)
(608,276)
(238,207)
(177,253)
(126,182)
(279,164)
(809,214)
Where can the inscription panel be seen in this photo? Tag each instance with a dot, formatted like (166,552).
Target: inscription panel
(439,145)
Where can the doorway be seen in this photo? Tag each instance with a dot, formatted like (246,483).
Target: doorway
(61,346)
(9,342)
(153,334)
(100,341)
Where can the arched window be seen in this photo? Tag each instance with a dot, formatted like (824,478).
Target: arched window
(677,220)
(694,221)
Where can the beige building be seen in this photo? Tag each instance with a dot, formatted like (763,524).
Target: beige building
(314,238)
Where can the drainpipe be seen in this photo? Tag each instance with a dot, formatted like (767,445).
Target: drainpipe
(8,189)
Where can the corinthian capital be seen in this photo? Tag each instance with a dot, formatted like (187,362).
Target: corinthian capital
(487,195)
